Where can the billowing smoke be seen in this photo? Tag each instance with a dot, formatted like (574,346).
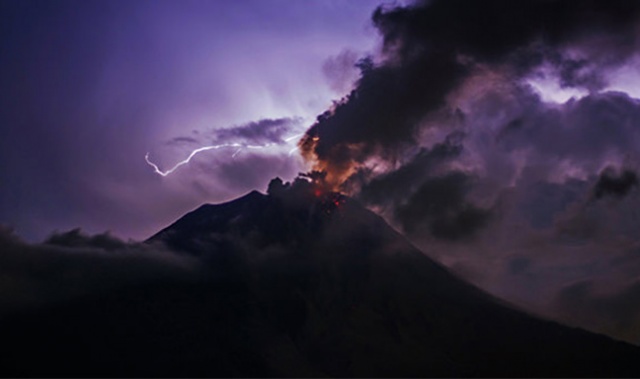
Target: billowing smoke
(488,132)
(436,48)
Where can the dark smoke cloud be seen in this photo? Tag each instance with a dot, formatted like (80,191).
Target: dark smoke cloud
(421,197)
(432,47)
(440,205)
(393,186)
(491,29)
(450,134)
(615,185)
(458,65)
(381,114)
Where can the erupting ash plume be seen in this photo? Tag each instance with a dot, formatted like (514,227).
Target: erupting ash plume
(460,70)
(463,129)
(436,54)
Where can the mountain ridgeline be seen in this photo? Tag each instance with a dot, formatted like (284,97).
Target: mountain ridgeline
(300,282)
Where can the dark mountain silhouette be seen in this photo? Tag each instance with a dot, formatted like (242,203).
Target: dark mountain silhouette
(300,282)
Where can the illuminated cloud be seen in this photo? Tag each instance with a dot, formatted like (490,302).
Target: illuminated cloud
(260,135)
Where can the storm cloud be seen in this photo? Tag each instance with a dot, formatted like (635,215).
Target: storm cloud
(262,131)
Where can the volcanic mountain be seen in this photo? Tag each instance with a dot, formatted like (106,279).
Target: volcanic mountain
(300,282)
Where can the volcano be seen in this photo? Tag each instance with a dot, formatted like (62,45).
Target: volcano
(300,282)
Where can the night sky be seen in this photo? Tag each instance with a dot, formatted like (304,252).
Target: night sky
(89,87)
(501,137)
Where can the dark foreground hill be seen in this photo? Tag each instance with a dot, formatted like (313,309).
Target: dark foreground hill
(300,283)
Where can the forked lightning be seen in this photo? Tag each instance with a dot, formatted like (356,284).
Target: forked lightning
(239,147)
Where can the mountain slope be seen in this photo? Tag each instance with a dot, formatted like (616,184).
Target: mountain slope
(301,282)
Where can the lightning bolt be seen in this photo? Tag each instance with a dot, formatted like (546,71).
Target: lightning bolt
(239,147)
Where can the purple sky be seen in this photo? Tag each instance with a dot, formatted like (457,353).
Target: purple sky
(501,137)
(88,87)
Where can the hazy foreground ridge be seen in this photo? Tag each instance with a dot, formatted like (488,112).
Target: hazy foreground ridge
(299,282)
